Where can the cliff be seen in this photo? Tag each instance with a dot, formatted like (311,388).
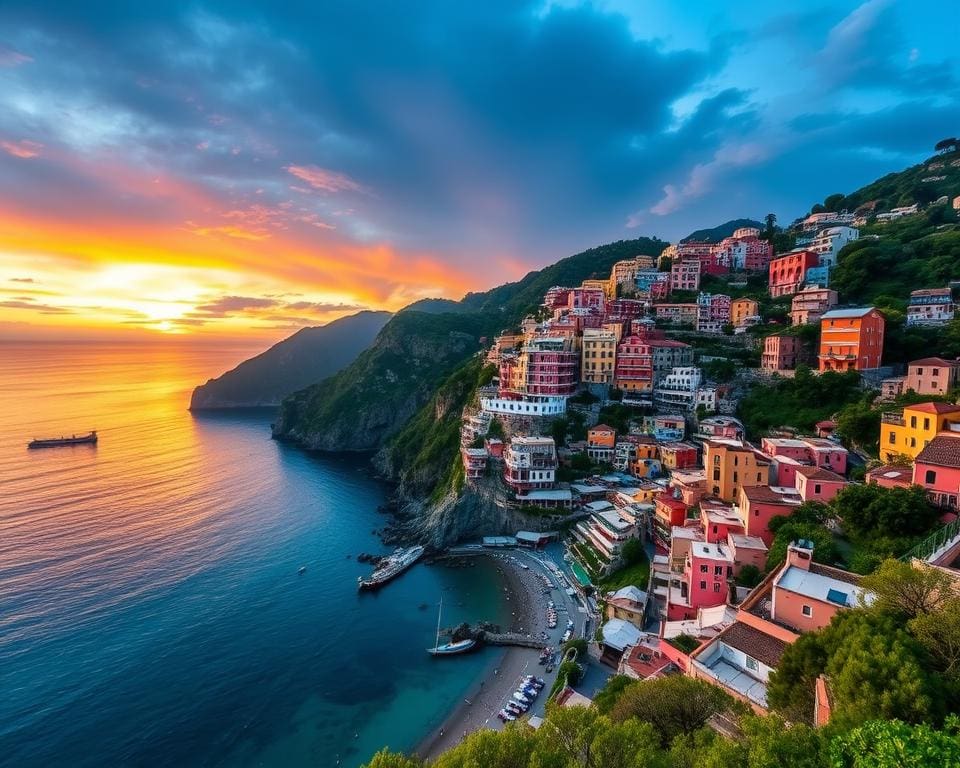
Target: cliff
(378,395)
(306,357)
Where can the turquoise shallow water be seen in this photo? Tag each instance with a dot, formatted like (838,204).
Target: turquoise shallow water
(150,608)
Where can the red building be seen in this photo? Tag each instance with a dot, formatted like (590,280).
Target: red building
(759,504)
(788,272)
(586,298)
(668,512)
(711,263)
(705,581)
(633,371)
(624,310)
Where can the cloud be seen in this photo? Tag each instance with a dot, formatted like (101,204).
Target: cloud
(23,149)
(12,58)
(43,309)
(22,280)
(321,178)
(228,305)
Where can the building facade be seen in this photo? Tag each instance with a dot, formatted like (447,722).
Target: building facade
(851,339)
(780,353)
(808,306)
(598,356)
(789,272)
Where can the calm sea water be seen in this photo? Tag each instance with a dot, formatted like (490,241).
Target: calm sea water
(151,613)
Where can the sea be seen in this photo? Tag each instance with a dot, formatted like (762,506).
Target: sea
(151,609)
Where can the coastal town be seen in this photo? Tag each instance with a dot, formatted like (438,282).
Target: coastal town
(609,423)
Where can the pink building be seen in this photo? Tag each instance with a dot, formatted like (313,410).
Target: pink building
(633,369)
(937,469)
(474,462)
(530,463)
(711,263)
(759,504)
(721,427)
(624,310)
(811,304)
(552,367)
(557,298)
(744,251)
(788,272)
(704,583)
(719,520)
(780,352)
(713,312)
(685,276)
(932,376)
(816,484)
(815,451)
(586,298)
(891,476)
(747,550)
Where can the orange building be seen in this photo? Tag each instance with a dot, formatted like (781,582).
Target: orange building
(731,465)
(851,339)
(741,309)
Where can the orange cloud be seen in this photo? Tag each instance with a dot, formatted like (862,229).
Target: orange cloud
(23,148)
(321,178)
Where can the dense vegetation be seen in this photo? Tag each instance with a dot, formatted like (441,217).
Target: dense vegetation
(799,402)
(308,356)
(663,724)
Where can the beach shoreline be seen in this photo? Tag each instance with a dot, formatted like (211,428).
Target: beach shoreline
(523,593)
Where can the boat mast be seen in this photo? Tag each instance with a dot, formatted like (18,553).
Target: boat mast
(439,611)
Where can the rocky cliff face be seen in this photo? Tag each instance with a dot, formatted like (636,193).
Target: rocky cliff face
(481,510)
(359,408)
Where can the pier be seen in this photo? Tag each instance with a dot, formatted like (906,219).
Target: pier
(486,634)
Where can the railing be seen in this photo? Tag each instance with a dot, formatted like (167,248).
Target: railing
(935,542)
(892,417)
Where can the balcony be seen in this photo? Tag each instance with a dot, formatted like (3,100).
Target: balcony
(893,417)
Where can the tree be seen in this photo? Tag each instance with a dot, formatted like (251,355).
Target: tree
(749,576)
(824,547)
(495,430)
(885,743)
(947,145)
(875,668)
(905,590)
(939,632)
(385,759)
(770,222)
(632,552)
(608,695)
(672,705)
(558,431)
(859,424)
(871,511)
(834,201)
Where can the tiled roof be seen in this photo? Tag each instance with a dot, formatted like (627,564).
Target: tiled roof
(763,493)
(834,573)
(837,314)
(943,450)
(753,642)
(601,427)
(934,408)
(936,361)
(819,473)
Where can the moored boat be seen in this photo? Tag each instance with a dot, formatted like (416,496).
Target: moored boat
(391,567)
(54,442)
(452,648)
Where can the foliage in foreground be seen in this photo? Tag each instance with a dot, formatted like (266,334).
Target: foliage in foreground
(590,738)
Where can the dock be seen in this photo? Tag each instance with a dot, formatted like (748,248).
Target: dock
(483,634)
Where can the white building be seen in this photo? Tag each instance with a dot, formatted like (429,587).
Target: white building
(829,241)
(526,405)
(682,389)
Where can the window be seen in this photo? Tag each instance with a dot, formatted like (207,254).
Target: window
(716,586)
(716,474)
(913,422)
(807,610)
(718,570)
(704,568)
(703,585)
(752,664)
(926,423)
(816,488)
(893,438)
(930,476)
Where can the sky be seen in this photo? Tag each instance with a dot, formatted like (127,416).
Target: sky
(219,169)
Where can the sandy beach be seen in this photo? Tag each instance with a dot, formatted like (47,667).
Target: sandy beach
(523,589)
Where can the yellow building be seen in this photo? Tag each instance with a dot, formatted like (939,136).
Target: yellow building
(907,433)
(603,285)
(731,465)
(598,356)
(741,309)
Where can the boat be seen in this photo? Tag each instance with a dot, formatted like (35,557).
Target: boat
(449,649)
(391,567)
(54,442)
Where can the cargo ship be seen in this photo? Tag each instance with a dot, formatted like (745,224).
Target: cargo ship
(391,567)
(54,442)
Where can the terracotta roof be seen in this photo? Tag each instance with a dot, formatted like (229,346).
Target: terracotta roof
(934,408)
(834,573)
(764,493)
(935,361)
(753,642)
(943,450)
(891,472)
(819,473)
(601,427)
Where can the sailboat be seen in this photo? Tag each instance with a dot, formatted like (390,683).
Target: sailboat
(449,649)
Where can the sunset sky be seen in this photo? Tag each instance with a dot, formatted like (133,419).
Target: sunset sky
(235,168)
